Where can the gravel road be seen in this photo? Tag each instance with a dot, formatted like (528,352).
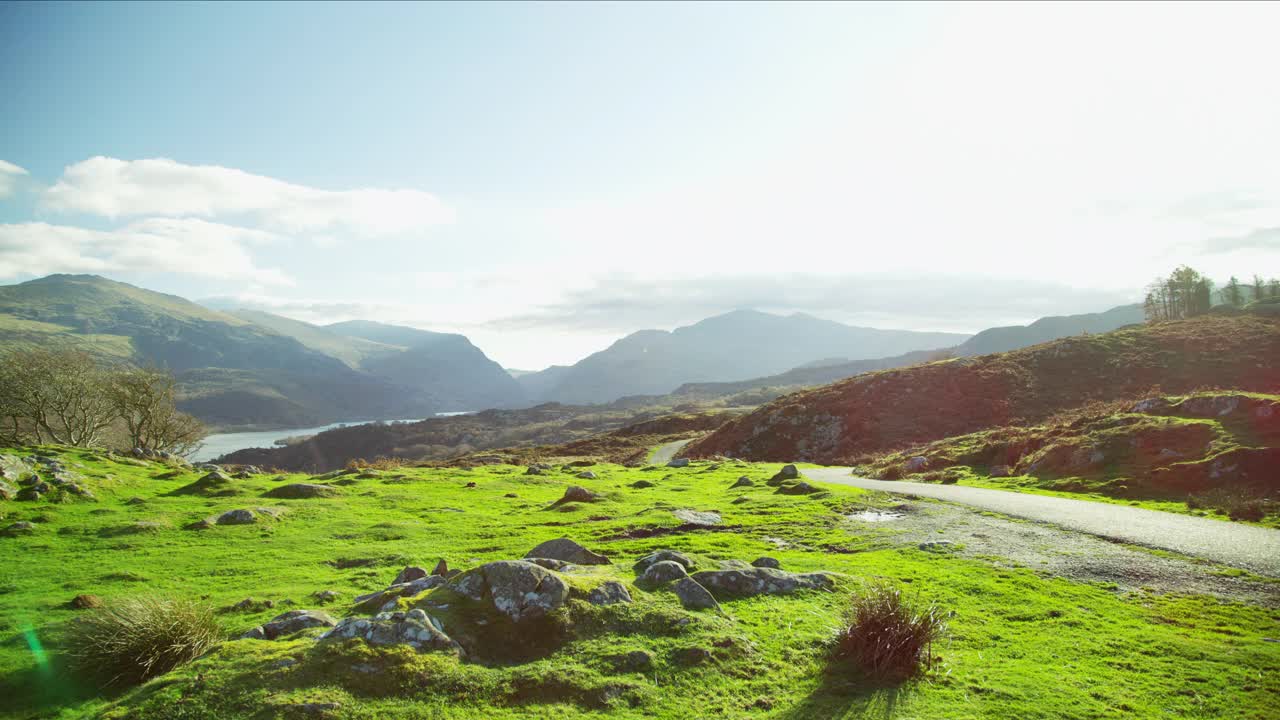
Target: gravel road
(666,453)
(1245,546)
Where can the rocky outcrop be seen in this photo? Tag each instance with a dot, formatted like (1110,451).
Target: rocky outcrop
(520,590)
(568,551)
(760,581)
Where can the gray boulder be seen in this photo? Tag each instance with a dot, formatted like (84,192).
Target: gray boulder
(760,581)
(679,463)
(656,557)
(767,562)
(22,527)
(576,493)
(693,596)
(301,491)
(796,488)
(520,590)
(586,475)
(706,518)
(409,574)
(743,481)
(7,491)
(386,598)
(788,472)
(237,517)
(661,572)
(415,629)
(291,622)
(609,593)
(568,551)
(551,564)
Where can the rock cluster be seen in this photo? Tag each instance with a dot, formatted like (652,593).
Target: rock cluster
(413,628)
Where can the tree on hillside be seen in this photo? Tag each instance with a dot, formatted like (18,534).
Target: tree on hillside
(1274,287)
(1232,294)
(1185,293)
(145,401)
(57,395)
(1259,288)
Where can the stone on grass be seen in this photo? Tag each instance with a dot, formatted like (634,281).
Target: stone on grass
(656,557)
(661,572)
(788,472)
(743,481)
(300,491)
(241,516)
(568,551)
(22,527)
(291,622)
(693,596)
(706,518)
(937,546)
(609,593)
(796,488)
(634,661)
(520,590)
(86,602)
(551,564)
(586,475)
(642,484)
(577,493)
(414,628)
(692,656)
(679,463)
(760,581)
(409,574)
(441,569)
(767,562)
(325,596)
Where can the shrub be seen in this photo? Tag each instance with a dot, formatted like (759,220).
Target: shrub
(1235,503)
(139,638)
(888,637)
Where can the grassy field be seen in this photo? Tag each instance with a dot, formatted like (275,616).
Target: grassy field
(1021,644)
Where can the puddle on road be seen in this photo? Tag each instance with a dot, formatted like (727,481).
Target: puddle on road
(877,516)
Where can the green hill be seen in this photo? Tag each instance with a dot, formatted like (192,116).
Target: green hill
(233,372)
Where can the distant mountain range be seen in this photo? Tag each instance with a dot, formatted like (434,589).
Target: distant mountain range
(999,339)
(246,368)
(737,345)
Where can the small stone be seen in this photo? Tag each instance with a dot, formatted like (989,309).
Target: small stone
(325,596)
(586,475)
(766,562)
(706,518)
(301,491)
(743,481)
(576,493)
(694,596)
(937,545)
(679,463)
(662,572)
(567,550)
(642,484)
(471,484)
(22,527)
(441,569)
(236,517)
(634,661)
(86,602)
(692,656)
(609,593)
(798,488)
(256,633)
(655,557)
(409,574)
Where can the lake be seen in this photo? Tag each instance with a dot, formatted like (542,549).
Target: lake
(220,444)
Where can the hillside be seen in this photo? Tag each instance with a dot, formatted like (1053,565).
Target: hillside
(737,345)
(1001,339)
(350,350)
(446,367)
(1213,451)
(447,437)
(232,371)
(892,409)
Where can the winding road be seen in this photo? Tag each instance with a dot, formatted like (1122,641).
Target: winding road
(666,453)
(1244,546)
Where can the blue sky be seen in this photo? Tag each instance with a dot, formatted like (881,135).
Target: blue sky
(548,177)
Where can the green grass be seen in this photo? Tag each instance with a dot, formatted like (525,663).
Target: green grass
(1021,644)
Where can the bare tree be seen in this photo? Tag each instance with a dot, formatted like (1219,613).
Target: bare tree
(61,393)
(145,401)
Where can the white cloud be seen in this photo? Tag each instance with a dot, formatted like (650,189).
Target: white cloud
(178,245)
(115,188)
(9,174)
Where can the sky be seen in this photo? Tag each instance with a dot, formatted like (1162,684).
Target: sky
(546,178)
